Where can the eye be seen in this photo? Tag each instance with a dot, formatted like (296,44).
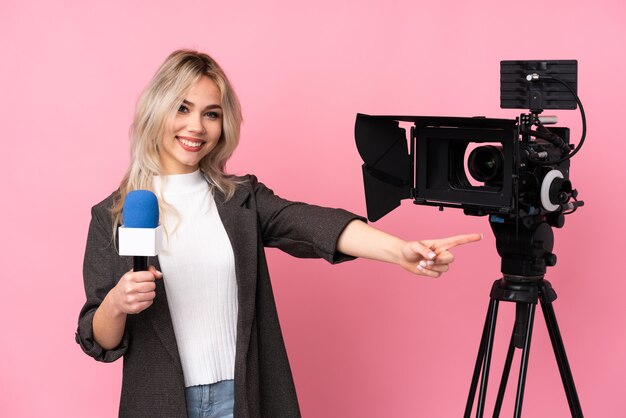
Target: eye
(183,109)
(212,115)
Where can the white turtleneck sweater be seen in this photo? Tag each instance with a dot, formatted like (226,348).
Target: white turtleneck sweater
(199,275)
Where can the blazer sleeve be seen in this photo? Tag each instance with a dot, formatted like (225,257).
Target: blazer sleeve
(300,229)
(99,275)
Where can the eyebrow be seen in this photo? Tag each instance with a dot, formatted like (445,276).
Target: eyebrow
(213,106)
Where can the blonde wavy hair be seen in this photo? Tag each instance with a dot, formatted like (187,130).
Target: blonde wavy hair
(157,106)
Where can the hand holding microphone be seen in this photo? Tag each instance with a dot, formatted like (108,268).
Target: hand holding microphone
(135,291)
(140,236)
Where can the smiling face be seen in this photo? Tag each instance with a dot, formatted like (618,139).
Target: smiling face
(194,131)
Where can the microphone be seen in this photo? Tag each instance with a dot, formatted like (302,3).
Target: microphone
(141,235)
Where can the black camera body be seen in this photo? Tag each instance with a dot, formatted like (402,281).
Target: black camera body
(481,165)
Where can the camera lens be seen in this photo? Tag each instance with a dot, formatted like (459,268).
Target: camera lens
(485,163)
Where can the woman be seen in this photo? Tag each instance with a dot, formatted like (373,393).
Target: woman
(204,334)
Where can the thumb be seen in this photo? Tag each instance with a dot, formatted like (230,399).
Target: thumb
(157,273)
(423,250)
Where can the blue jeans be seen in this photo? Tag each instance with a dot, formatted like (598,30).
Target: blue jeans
(211,401)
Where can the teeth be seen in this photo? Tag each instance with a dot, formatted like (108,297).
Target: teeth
(189,143)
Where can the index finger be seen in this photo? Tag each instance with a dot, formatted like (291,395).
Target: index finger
(450,242)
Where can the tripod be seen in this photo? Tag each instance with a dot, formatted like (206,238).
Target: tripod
(528,255)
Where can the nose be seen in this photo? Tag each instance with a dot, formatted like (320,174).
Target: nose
(195,125)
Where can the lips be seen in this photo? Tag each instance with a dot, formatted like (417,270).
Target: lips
(190,144)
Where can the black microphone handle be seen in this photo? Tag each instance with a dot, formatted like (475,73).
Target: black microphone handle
(140,263)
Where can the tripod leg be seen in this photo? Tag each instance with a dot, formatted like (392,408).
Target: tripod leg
(493,314)
(479,363)
(524,366)
(561,359)
(505,376)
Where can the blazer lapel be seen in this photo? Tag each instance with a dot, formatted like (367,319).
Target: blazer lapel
(162,320)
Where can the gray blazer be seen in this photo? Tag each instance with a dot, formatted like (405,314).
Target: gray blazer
(153,384)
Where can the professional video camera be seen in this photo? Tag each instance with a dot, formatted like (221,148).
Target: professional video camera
(514,170)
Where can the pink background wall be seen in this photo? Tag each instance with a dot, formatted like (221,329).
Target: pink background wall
(365,339)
